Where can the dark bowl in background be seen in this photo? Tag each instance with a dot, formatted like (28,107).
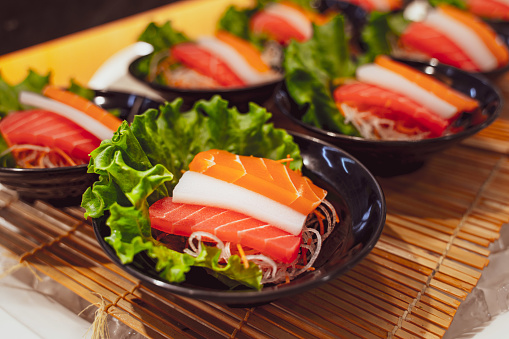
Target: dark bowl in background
(391,158)
(239,97)
(64,186)
(360,205)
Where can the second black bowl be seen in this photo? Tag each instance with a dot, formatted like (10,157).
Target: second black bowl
(64,186)
(390,158)
(239,96)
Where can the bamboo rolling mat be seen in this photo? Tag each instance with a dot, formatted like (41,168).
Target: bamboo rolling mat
(440,222)
(495,137)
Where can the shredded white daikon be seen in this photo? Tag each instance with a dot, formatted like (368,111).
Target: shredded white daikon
(35,156)
(273,272)
(375,128)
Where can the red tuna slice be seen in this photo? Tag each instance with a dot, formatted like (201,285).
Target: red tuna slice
(44,128)
(229,226)
(275,27)
(427,40)
(202,61)
(390,105)
(490,9)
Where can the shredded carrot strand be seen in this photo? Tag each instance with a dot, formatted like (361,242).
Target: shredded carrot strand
(287,160)
(320,217)
(64,155)
(28,157)
(243,256)
(301,266)
(83,105)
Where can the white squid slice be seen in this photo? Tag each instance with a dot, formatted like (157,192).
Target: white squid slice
(82,119)
(236,61)
(385,78)
(466,38)
(295,18)
(200,189)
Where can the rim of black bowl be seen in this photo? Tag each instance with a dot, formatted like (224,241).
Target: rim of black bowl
(282,94)
(52,170)
(260,297)
(136,74)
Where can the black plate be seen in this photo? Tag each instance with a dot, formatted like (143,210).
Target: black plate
(64,186)
(361,207)
(390,158)
(239,97)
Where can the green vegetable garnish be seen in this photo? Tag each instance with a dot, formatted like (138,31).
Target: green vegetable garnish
(311,68)
(461,4)
(33,82)
(163,36)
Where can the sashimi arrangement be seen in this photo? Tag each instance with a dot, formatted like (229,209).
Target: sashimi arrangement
(382,100)
(393,101)
(254,207)
(164,175)
(220,61)
(446,33)
(49,127)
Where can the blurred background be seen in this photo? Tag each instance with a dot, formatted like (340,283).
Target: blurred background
(24,23)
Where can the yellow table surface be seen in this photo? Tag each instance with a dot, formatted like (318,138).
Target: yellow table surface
(79,55)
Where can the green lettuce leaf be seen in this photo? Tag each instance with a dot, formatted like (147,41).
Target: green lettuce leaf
(236,21)
(163,36)
(380,34)
(7,159)
(33,82)
(143,162)
(311,69)
(81,90)
(375,37)
(461,4)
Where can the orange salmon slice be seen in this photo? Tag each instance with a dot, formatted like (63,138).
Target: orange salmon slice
(267,177)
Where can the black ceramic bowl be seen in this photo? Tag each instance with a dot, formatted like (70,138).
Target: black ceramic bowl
(361,208)
(239,97)
(64,186)
(390,158)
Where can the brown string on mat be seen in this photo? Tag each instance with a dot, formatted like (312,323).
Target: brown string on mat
(53,241)
(243,322)
(99,326)
(18,266)
(452,237)
(22,262)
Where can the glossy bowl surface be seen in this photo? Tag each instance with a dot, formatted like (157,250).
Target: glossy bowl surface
(390,158)
(239,97)
(359,202)
(64,186)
